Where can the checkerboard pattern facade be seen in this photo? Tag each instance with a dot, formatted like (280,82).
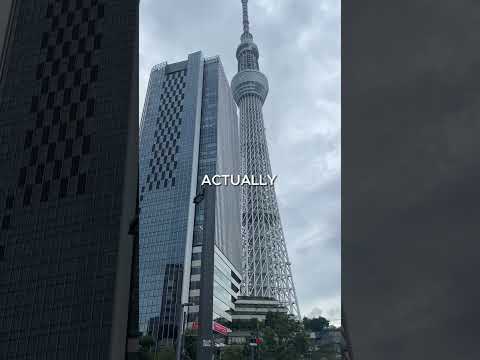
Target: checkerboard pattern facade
(57,146)
(163,162)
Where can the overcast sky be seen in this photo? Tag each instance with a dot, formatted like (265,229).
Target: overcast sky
(299,44)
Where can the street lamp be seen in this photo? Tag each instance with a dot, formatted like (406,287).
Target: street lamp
(185,315)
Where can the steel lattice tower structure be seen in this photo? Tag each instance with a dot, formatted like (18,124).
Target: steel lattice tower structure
(266,268)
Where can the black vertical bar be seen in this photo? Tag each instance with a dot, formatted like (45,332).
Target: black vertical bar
(410,175)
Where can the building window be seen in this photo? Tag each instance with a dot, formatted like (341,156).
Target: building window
(9,202)
(45,191)
(82,180)
(27,196)
(6,222)
(194,285)
(195,271)
(235,277)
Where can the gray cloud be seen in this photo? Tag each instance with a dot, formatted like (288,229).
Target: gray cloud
(299,44)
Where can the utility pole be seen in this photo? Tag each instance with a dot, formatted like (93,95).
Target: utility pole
(182,342)
(253,346)
(206,343)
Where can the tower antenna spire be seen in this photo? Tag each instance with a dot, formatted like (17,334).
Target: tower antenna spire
(245,16)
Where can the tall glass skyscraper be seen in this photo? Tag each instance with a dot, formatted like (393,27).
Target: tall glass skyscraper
(266,269)
(189,251)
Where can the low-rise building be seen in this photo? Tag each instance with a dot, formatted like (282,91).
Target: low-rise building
(253,307)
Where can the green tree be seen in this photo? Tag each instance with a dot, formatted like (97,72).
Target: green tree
(146,343)
(223,321)
(147,350)
(316,324)
(164,353)
(250,324)
(283,338)
(233,352)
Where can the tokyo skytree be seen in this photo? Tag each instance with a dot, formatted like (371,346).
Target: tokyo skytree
(266,268)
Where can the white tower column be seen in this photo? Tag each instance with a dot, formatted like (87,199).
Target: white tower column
(266,267)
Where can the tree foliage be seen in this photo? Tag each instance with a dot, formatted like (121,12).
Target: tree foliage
(250,324)
(164,353)
(316,324)
(233,352)
(146,343)
(283,338)
(147,351)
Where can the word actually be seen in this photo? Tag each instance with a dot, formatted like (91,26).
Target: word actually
(237,180)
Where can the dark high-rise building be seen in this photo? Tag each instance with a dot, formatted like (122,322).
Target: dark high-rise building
(189,251)
(68,183)
(5,29)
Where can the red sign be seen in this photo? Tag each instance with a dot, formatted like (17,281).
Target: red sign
(258,341)
(219,328)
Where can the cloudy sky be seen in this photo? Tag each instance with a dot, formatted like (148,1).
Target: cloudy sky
(299,43)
